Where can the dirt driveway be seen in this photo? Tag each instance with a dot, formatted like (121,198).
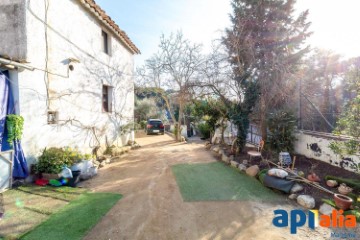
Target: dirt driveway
(152,206)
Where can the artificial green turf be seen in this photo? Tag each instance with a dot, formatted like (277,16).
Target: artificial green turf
(217,182)
(76,218)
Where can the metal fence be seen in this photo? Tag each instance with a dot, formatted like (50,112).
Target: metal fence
(254,134)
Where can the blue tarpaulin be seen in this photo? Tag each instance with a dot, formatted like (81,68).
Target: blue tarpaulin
(7,106)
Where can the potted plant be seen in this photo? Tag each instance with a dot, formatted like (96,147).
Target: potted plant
(52,161)
(14,125)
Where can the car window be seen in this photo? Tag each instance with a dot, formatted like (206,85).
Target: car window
(155,122)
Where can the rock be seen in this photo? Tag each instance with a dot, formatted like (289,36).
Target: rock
(234,164)
(313,177)
(135,146)
(107,161)
(97,163)
(208,146)
(253,170)
(221,152)
(331,183)
(102,164)
(231,158)
(326,209)
(225,158)
(301,173)
(293,196)
(216,149)
(115,159)
(245,162)
(306,201)
(117,151)
(242,167)
(126,148)
(280,173)
(296,188)
(101,158)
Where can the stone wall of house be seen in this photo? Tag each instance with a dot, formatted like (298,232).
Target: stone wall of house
(12,29)
(316,145)
(75,95)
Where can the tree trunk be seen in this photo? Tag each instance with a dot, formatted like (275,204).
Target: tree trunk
(181,115)
(222,140)
(263,123)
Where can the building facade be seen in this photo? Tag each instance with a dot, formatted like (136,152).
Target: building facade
(71,71)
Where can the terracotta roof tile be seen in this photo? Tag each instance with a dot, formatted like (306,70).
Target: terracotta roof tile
(101,14)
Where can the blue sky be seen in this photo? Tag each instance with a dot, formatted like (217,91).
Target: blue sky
(334,22)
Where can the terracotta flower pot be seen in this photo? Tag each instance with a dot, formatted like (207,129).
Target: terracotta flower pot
(342,201)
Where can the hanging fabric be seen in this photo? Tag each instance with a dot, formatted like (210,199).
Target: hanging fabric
(4,93)
(7,106)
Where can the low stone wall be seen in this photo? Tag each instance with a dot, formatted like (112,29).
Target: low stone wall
(316,145)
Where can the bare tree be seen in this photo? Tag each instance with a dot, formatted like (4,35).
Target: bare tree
(216,76)
(171,73)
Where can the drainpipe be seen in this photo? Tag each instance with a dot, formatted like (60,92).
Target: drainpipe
(16,64)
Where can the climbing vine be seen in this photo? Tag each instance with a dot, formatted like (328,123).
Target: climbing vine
(239,112)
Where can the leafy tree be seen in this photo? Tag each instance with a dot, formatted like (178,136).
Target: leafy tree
(349,122)
(237,94)
(211,111)
(265,47)
(145,109)
(320,75)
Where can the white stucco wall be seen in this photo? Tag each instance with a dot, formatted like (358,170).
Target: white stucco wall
(12,29)
(183,129)
(72,33)
(315,146)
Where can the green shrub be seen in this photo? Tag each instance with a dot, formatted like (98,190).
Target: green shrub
(52,160)
(109,150)
(204,129)
(281,138)
(143,124)
(175,131)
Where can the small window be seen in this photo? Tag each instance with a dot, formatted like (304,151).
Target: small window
(52,117)
(107,98)
(105,42)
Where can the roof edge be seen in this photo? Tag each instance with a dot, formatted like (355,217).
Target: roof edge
(101,15)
